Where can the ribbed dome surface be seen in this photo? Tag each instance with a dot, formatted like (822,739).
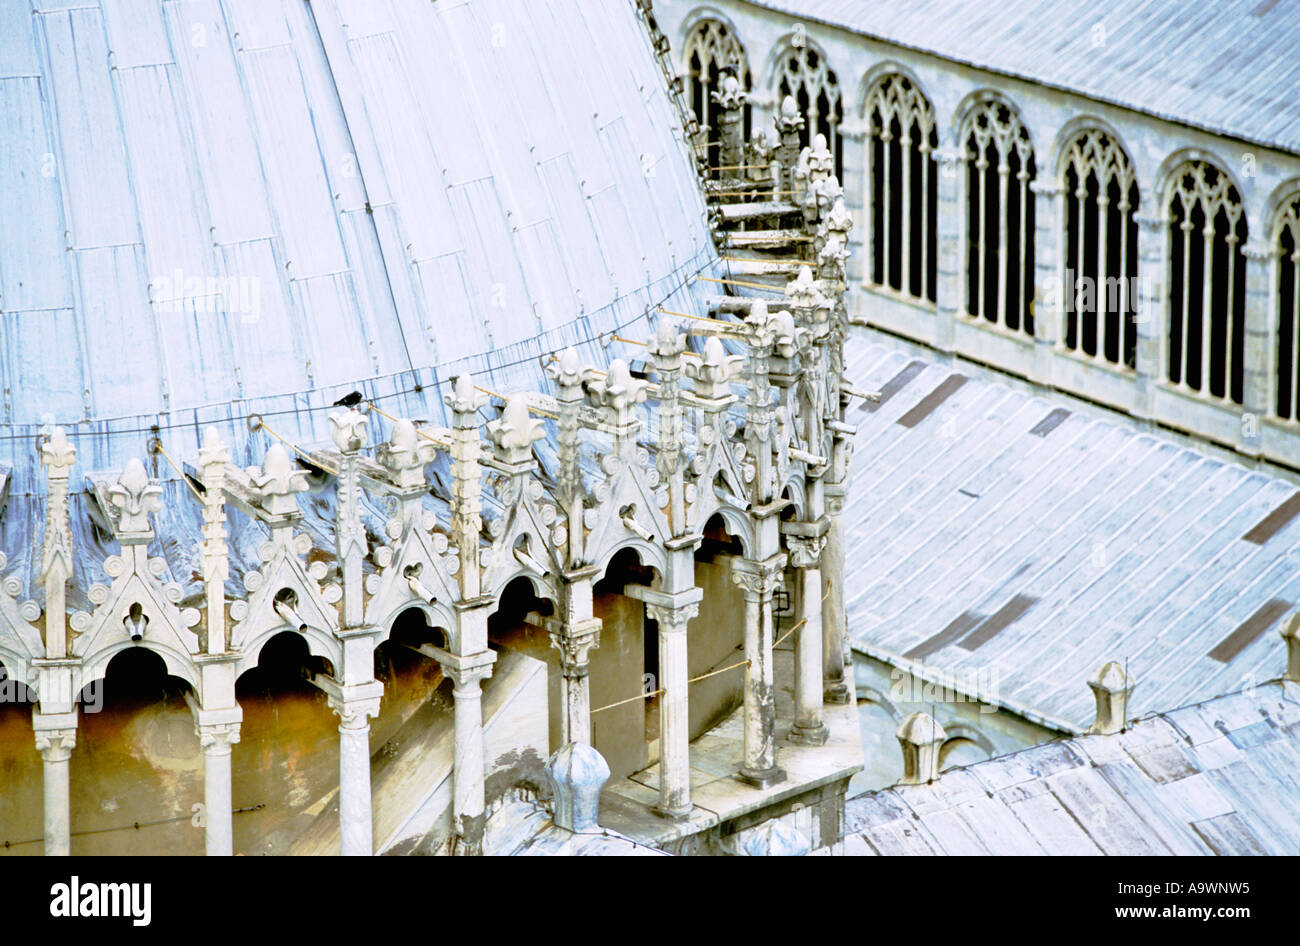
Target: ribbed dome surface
(217,207)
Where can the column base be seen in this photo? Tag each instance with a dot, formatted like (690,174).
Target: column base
(674,814)
(761,778)
(838,694)
(815,736)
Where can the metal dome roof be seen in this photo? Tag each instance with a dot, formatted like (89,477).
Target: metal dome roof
(223,207)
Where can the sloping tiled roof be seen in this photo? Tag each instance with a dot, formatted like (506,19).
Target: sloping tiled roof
(397,188)
(1214,778)
(1230,66)
(992,532)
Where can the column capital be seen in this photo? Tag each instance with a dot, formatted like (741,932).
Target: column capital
(1156,221)
(805,551)
(218,737)
(468,671)
(1259,251)
(672,619)
(758,579)
(56,745)
(1048,187)
(355,704)
(574,642)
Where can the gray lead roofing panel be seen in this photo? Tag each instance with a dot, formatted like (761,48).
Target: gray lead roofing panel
(1229,66)
(1132,545)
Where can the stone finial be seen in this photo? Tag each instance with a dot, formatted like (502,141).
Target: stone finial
(566,370)
(516,432)
(731,95)
(577,773)
(348,428)
(214,450)
(668,343)
(58,454)
(804,292)
(1291,634)
(785,335)
(759,322)
(133,497)
(712,373)
(1112,688)
(788,120)
(821,162)
(618,392)
(921,738)
(278,481)
(405,455)
(464,399)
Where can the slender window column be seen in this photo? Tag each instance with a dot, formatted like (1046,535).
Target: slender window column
(1049,277)
(1259,336)
(575,635)
(1152,360)
(56,735)
(356,818)
(218,827)
(950,292)
(757,580)
(468,791)
(674,709)
(808,728)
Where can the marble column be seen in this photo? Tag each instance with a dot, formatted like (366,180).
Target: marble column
(835,685)
(356,818)
(808,728)
(1152,359)
(1049,278)
(56,735)
(467,674)
(218,830)
(950,286)
(757,581)
(674,710)
(575,633)
(1257,353)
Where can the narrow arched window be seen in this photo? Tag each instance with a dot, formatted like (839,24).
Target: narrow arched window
(802,73)
(902,187)
(1101,253)
(1286,247)
(1207,283)
(1000,217)
(712,51)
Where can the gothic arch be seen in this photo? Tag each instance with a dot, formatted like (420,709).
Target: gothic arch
(1284,250)
(798,67)
(710,46)
(998,155)
(319,644)
(1206,235)
(1172,165)
(178,664)
(901,192)
(1100,197)
(650,554)
(436,615)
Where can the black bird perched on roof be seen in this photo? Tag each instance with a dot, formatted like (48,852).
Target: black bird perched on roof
(351,399)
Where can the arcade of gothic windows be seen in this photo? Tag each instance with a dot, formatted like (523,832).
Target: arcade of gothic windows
(802,73)
(1204,304)
(1000,217)
(1207,282)
(1101,249)
(902,199)
(1286,250)
(712,52)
